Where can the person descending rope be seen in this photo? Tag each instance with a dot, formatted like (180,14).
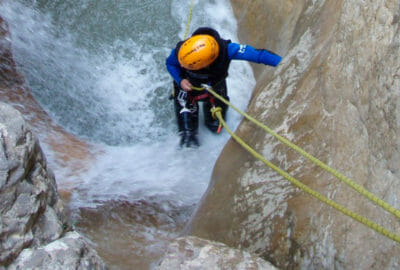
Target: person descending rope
(204,58)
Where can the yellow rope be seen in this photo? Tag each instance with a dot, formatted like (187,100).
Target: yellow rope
(316,161)
(217,112)
(307,189)
(186,30)
(189,19)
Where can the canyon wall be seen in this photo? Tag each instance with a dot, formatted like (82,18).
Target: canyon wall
(68,149)
(34,228)
(336,95)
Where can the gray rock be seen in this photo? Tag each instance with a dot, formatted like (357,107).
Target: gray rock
(33,222)
(190,253)
(68,252)
(22,196)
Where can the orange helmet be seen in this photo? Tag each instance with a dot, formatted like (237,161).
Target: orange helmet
(198,52)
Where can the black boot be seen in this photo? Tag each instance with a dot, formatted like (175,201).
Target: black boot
(188,131)
(188,139)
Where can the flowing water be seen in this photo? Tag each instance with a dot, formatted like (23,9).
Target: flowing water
(97,67)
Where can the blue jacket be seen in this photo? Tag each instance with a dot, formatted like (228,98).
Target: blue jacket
(235,52)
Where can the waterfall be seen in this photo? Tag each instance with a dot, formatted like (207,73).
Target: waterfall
(98,69)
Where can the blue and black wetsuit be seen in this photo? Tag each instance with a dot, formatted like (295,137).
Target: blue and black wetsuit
(213,75)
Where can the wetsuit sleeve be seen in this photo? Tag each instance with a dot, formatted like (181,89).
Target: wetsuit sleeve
(247,52)
(173,67)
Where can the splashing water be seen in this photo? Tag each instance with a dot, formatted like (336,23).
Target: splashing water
(98,69)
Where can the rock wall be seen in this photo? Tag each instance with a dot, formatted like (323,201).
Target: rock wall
(69,150)
(336,94)
(34,231)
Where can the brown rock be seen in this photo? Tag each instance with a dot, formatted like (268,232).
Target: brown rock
(69,150)
(336,95)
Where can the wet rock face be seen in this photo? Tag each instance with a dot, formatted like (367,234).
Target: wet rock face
(31,212)
(69,150)
(33,222)
(336,94)
(8,74)
(34,231)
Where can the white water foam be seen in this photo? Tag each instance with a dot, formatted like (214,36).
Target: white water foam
(117,88)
